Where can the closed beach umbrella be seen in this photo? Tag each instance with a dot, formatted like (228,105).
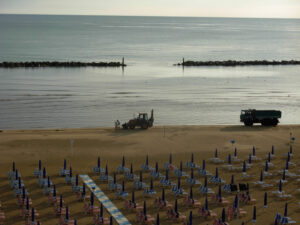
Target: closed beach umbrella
(288,157)
(75,222)
(232,179)
(141,176)
(83,189)
(217,172)
(123,161)
(269,157)
(111,221)
(163,195)
(167,174)
(76,180)
(253,151)
(191,218)
(98,162)
(220,192)
(156,167)
(254,215)
(65,164)
(131,169)
(67,213)
(236,201)
(23,193)
(287,165)
(291,149)
(178,183)
(132,197)
(280,186)
(266,166)
(229,159)
(151,184)
(48,182)
(192,158)
(54,191)
(261,176)
(106,170)
(285,209)
(170,159)
(243,223)
(216,153)
(191,193)
(235,152)
(40,165)
(203,165)
(273,150)
(176,206)
(13,166)
(44,172)
(244,167)
(276,219)
(115,178)
(157,219)
(283,175)
(147,160)
(101,210)
(180,167)
(205,181)
(92,199)
(192,173)
(223,215)
(27,203)
(123,186)
(206,203)
(60,201)
(265,200)
(145,208)
(250,159)
(32,215)
(71,172)
(19,183)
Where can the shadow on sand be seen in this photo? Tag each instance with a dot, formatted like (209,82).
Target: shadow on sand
(122,132)
(242,128)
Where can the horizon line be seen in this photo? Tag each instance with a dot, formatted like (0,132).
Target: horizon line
(224,17)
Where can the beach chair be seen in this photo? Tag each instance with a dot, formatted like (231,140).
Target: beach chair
(162,203)
(90,208)
(155,173)
(247,199)
(43,180)
(190,201)
(32,220)
(179,172)
(234,210)
(164,181)
(216,159)
(191,180)
(284,219)
(65,220)
(14,180)
(205,213)
(218,199)
(58,209)
(144,218)
(104,177)
(222,220)
(38,172)
(203,189)
(18,187)
(177,190)
(113,185)
(149,192)
(280,193)
(174,215)
(191,164)
(22,198)
(69,179)
(75,186)
(99,219)
(12,173)
(132,205)
(202,171)
(53,196)
(48,189)
(169,165)
(97,168)
(269,157)
(121,168)
(63,171)
(146,166)
(130,175)
(122,193)
(139,184)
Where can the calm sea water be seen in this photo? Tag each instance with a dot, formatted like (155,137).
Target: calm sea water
(92,97)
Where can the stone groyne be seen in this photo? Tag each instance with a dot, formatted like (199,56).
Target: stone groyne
(60,64)
(238,63)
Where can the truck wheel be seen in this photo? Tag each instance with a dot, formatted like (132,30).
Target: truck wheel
(275,122)
(132,127)
(144,126)
(248,123)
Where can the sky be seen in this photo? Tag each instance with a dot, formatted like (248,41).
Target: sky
(190,8)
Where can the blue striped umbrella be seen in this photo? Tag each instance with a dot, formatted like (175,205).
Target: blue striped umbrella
(285,210)
(266,200)
(98,162)
(254,215)
(65,164)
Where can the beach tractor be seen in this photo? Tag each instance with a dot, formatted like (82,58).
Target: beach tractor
(141,121)
(265,117)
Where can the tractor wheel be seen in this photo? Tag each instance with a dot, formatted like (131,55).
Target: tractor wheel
(132,127)
(145,126)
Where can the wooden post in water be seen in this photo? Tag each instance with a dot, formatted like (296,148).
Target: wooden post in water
(123,61)
(182,61)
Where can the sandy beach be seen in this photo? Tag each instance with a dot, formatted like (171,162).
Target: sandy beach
(26,147)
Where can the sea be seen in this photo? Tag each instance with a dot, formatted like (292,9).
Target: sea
(43,98)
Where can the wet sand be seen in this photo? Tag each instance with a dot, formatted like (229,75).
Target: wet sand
(26,147)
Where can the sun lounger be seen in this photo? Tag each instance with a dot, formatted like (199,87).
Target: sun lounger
(191,180)
(149,192)
(179,172)
(191,164)
(206,214)
(177,190)
(63,171)
(97,168)
(190,201)
(175,215)
(146,166)
(99,219)
(38,172)
(105,177)
(122,193)
(155,173)
(144,218)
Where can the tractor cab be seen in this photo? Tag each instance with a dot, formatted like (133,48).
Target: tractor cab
(143,116)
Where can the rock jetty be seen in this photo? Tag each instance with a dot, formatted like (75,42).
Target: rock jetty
(60,64)
(238,63)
